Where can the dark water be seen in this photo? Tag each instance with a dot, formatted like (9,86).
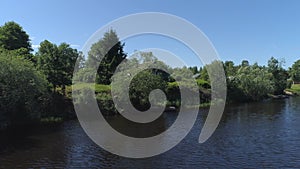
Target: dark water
(254,135)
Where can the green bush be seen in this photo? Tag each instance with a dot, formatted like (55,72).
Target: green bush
(203,83)
(22,89)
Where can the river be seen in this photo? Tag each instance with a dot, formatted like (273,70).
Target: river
(251,135)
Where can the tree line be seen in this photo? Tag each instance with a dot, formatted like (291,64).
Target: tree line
(37,85)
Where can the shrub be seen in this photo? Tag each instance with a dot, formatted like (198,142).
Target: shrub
(22,89)
(203,83)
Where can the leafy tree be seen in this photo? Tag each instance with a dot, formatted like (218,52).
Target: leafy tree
(280,75)
(254,82)
(230,69)
(295,71)
(141,79)
(245,63)
(68,57)
(57,63)
(110,51)
(141,86)
(49,62)
(12,36)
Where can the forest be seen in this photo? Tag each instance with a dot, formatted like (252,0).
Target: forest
(36,86)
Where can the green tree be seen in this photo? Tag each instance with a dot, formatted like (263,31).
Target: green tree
(141,86)
(141,79)
(245,63)
(230,69)
(68,57)
(110,51)
(204,74)
(280,75)
(12,36)
(295,71)
(49,62)
(254,82)
(57,63)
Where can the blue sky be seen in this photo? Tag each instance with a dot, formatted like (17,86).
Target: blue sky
(254,30)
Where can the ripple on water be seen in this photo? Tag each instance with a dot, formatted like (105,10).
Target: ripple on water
(254,135)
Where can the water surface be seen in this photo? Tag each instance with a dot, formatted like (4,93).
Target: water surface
(253,135)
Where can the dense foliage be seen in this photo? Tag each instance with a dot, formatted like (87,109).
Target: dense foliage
(251,83)
(57,63)
(22,89)
(280,75)
(35,86)
(107,54)
(12,36)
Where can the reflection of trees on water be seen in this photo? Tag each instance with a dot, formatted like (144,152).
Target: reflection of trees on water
(32,146)
(140,130)
(268,108)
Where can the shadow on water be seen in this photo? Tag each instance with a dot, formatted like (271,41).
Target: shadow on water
(133,129)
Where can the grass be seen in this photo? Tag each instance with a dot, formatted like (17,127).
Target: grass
(99,88)
(296,87)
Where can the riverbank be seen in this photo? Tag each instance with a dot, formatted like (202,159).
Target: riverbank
(64,109)
(294,90)
(104,100)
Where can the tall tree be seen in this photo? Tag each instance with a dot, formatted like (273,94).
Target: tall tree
(68,57)
(57,63)
(12,36)
(110,51)
(48,62)
(280,75)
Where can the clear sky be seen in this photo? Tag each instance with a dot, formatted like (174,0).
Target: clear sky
(254,30)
